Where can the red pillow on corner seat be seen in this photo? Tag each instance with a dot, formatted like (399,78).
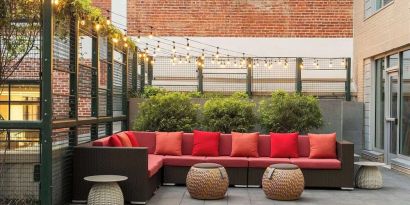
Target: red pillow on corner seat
(115,141)
(168,143)
(245,144)
(322,146)
(206,143)
(133,138)
(125,140)
(284,145)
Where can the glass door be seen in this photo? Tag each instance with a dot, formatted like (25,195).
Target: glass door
(391,113)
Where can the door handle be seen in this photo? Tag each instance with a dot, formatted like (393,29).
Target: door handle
(392,119)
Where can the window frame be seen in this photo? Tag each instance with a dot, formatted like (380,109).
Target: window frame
(382,7)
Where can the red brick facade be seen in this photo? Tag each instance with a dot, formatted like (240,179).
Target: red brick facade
(104,5)
(242,18)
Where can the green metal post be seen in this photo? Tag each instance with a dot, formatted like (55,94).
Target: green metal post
(142,79)
(150,70)
(46,170)
(298,83)
(249,76)
(200,77)
(110,73)
(348,66)
(124,125)
(94,83)
(73,99)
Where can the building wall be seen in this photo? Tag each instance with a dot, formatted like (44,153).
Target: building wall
(386,31)
(382,32)
(242,18)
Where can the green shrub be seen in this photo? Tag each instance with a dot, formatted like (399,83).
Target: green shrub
(150,91)
(294,112)
(233,113)
(167,112)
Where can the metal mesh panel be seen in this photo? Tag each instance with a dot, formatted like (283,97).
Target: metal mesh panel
(61,77)
(62,165)
(102,75)
(180,75)
(270,74)
(226,75)
(119,68)
(117,126)
(102,131)
(20,166)
(84,134)
(324,77)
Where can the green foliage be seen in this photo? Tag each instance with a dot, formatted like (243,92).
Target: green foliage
(233,113)
(167,112)
(285,112)
(150,91)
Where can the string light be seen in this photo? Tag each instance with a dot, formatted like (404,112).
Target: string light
(301,64)
(217,53)
(266,63)
(158,48)
(285,64)
(139,36)
(152,61)
(97,27)
(203,54)
(173,47)
(187,44)
(331,63)
(343,63)
(213,59)
(180,60)
(82,22)
(115,40)
(126,45)
(55,2)
(108,21)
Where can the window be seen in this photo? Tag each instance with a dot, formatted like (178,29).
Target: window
(20,102)
(379,100)
(405,106)
(373,6)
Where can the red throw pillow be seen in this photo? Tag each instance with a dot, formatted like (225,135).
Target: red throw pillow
(133,138)
(206,143)
(245,144)
(125,140)
(168,143)
(284,145)
(115,141)
(322,146)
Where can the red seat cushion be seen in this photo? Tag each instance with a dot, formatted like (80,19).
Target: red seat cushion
(228,161)
(206,143)
(183,161)
(115,141)
(154,164)
(102,142)
(245,144)
(284,145)
(322,146)
(125,140)
(306,163)
(263,162)
(132,138)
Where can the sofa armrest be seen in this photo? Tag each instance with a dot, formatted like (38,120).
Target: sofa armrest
(93,160)
(345,153)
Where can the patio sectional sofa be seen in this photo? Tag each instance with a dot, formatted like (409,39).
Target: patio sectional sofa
(147,171)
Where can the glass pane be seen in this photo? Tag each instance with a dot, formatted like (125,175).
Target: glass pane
(393,113)
(393,60)
(387,1)
(405,102)
(380,79)
(25,93)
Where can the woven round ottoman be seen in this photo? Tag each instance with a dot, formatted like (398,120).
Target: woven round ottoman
(283,182)
(105,190)
(207,181)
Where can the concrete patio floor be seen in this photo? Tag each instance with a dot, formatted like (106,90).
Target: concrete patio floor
(396,190)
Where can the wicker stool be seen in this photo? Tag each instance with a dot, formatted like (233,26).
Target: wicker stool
(105,190)
(283,182)
(207,181)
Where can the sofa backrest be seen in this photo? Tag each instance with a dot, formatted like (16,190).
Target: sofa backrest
(147,139)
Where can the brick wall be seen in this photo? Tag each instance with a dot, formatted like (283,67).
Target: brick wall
(104,5)
(242,18)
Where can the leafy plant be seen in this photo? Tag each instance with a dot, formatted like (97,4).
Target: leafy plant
(285,112)
(167,112)
(234,113)
(150,91)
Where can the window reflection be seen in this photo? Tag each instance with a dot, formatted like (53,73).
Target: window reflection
(20,102)
(405,106)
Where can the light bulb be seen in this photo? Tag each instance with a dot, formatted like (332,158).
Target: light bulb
(152,62)
(55,2)
(125,38)
(82,22)
(158,48)
(108,22)
(115,40)
(126,45)
(97,26)
(138,38)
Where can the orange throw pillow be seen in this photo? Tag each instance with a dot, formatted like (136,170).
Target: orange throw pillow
(322,146)
(245,144)
(168,143)
(125,140)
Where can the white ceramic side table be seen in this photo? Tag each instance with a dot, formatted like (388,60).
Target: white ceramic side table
(105,190)
(369,176)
